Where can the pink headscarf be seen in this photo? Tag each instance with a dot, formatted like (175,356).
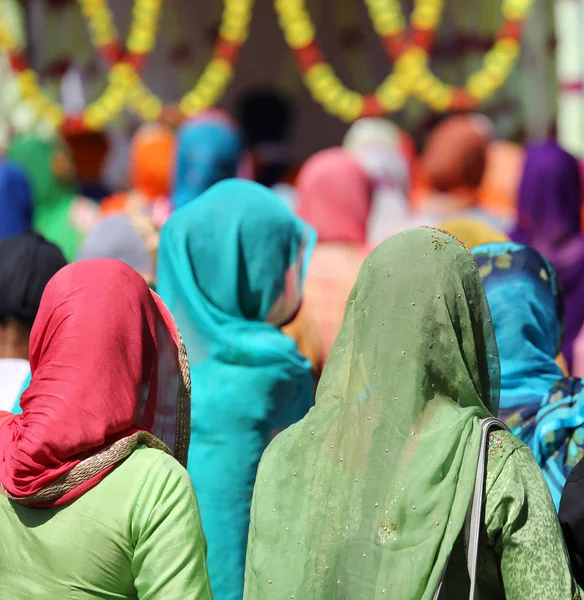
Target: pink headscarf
(335,196)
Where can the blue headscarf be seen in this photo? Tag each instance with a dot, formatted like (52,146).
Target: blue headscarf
(223,263)
(16,204)
(209,149)
(541,406)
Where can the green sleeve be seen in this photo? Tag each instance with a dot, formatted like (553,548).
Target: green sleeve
(524,530)
(169,561)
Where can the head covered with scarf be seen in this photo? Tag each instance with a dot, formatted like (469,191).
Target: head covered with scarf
(131,238)
(454,156)
(152,160)
(16,204)
(49,171)
(107,375)
(231,268)
(371,488)
(230,259)
(334,196)
(549,205)
(27,263)
(385,152)
(550,200)
(89,151)
(209,149)
(541,406)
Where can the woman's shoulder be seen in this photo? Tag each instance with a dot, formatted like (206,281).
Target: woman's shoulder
(147,471)
(145,468)
(152,461)
(502,443)
(502,446)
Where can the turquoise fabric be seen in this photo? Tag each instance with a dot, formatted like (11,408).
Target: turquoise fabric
(541,406)
(223,262)
(16,410)
(208,151)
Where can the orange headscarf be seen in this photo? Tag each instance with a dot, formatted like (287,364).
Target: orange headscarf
(151,166)
(454,156)
(152,160)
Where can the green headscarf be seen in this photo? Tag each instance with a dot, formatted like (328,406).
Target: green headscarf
(53,198)
(365,497)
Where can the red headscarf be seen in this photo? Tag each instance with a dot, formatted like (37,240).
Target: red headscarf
(104,356)
(334,196)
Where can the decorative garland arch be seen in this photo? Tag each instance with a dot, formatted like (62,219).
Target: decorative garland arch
(407,46)
(124,84)
(409,49)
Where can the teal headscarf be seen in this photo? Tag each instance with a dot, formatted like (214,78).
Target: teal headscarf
(540,405)
(209,149)
(223,263)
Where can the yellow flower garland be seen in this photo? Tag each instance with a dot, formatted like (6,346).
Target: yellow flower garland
(480,86)
(141,40)
(28,83)
(125,86)
(320,78)
(215,78)
(388,20)
(412,74)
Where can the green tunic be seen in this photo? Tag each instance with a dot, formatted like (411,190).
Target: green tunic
(522,553)
(366,497)
(137,534)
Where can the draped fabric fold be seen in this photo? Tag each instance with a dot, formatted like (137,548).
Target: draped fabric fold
(549,214)
(368,492)
(231,268)
(541,406)
(108,372)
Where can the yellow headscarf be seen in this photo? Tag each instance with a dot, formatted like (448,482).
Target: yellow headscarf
(473,232)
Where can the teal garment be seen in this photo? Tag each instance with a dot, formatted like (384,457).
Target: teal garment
(136,535)
(224,262)
(208,151)
(541,406)
(16,409)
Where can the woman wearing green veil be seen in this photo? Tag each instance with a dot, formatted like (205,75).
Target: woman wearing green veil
(59,215)
(366,497)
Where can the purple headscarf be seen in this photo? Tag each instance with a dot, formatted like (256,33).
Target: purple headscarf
(549,208)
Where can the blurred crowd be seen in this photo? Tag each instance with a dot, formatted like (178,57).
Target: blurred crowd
(357,319)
